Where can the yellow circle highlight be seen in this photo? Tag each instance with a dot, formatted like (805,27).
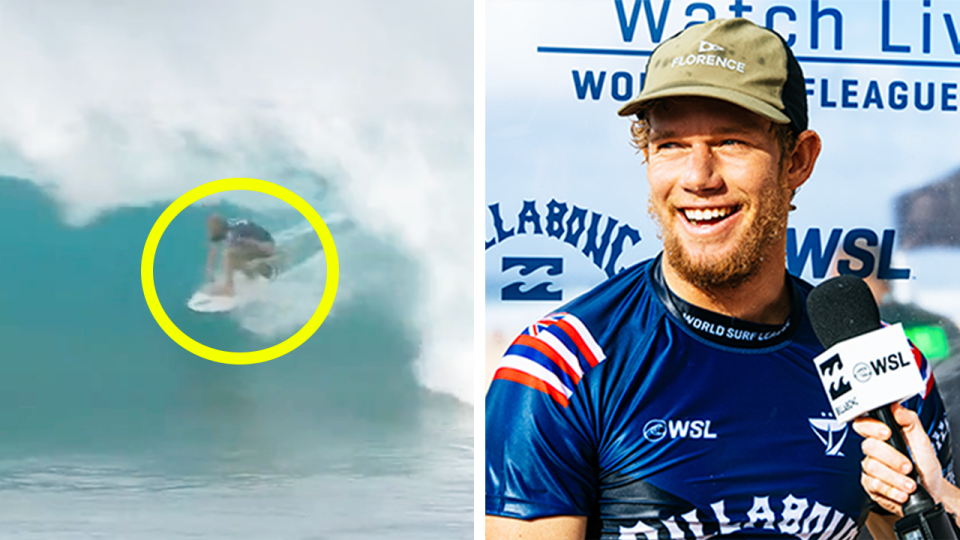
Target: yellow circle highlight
(242,184)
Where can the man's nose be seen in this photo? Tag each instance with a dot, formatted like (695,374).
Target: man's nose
(701,175)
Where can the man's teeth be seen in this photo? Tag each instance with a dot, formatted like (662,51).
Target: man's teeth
(707,214)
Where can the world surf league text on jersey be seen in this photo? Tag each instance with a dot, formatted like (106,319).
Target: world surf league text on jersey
(568,223)
(732,333)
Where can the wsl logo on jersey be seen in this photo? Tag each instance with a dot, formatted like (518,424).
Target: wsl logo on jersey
(555,226)
(656,430)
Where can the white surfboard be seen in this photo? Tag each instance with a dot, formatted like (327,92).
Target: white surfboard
(246,290)
(209,303)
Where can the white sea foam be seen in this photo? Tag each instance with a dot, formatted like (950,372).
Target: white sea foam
(279,308)
(126,104)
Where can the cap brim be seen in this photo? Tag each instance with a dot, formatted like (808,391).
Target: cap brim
(748,102)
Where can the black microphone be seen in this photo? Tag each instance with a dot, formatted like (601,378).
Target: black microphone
(843,308)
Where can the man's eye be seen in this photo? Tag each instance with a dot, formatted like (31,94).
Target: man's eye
(731,142)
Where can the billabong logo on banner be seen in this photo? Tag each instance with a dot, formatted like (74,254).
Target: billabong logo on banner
(601,239)
(528,265)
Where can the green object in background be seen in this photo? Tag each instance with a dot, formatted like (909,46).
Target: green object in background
(931,340)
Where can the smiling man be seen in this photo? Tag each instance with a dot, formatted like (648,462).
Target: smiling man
(679,398)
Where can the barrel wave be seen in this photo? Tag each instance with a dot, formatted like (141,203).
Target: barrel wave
(114,430)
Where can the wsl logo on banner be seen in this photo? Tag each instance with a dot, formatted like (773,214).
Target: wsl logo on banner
(540,234)
(860,260)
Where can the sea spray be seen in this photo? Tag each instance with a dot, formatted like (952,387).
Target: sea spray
(135,105)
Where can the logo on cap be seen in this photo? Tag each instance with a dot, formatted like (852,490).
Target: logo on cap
(706,46)
(713,60)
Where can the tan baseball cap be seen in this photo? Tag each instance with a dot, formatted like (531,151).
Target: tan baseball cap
(730,59)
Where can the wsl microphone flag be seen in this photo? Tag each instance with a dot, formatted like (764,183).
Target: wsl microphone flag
(869,371)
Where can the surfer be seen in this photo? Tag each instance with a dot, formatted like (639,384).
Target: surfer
(245,242)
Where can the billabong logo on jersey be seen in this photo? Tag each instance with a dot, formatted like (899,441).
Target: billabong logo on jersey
(831,433)
(706,46)
(656,430)
(767,517)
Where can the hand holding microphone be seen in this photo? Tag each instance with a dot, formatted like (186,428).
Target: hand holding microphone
(865,369)
(885,471)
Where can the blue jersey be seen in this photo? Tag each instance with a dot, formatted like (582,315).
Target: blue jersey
(657,419)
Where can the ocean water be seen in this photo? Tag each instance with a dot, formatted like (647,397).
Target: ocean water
(109,112)
(111,430)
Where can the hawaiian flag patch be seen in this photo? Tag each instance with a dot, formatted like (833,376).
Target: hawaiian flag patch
(926,373)
(551,356)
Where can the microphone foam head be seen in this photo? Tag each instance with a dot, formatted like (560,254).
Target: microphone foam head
(842,308)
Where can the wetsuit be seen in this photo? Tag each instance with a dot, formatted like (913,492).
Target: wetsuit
(241,229)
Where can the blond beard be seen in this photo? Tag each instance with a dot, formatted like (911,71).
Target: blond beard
(746,261)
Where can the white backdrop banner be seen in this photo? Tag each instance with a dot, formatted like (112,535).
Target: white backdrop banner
(566,194)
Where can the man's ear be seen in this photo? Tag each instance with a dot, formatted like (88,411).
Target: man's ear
(800,164)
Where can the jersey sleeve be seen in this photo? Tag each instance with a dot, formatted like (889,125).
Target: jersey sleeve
(933,415)
(540,454)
